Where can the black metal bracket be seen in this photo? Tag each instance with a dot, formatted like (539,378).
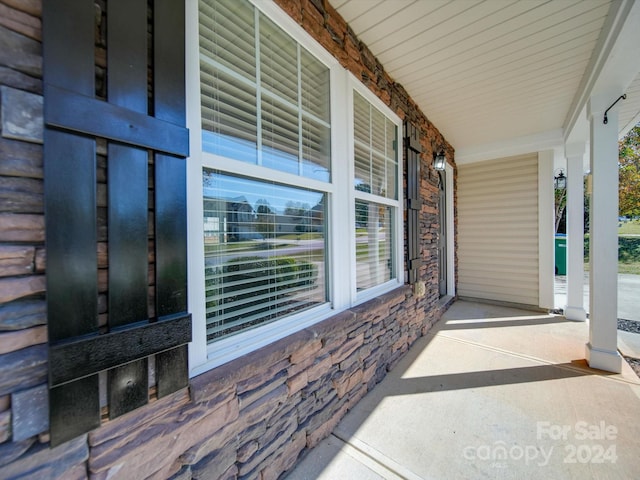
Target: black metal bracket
(621,97)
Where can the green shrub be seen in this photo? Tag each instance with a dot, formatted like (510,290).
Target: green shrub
(628,249)
(261,274)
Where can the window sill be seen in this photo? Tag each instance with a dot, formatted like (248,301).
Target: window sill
(227,349)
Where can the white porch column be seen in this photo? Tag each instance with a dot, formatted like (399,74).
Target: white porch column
(545,229)
(602,349)
(574,309)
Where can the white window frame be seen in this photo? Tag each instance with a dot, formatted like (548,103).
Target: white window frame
(396,204)
(341,289)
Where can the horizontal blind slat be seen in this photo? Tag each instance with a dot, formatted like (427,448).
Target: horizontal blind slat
(248,320)
(247,278)
(227,33)
(278,61)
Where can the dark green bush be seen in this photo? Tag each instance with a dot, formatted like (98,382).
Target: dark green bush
(273,274)
(628,249)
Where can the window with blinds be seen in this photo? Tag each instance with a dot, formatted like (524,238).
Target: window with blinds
(375,143)
(375,183)
(264,98)
(277,210)
(264,251)
(374,244)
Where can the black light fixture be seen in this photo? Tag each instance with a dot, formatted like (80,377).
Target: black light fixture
(439,161)
(560,181)
(606,119)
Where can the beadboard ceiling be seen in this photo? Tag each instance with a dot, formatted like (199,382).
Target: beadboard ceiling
(485,71)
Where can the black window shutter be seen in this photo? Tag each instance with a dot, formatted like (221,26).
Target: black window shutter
(414,202)
(74,118)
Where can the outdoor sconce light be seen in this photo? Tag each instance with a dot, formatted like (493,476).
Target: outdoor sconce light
(560,181)
(439,161)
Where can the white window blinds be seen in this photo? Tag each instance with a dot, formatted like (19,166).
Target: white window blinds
(376,164)
(264,252)
(375,183)
(265,99)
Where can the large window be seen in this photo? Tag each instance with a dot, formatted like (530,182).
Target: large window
(264,101)
(293,182)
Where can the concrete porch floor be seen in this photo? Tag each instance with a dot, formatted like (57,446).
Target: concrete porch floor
(492,392)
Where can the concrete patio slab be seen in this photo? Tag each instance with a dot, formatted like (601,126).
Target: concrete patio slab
(629,344)
(493,392)
(333,458)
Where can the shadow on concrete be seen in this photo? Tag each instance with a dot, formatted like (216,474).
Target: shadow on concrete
(519,322)
(489,378)
(456,390)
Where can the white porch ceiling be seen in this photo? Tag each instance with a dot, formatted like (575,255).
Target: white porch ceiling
(489,71)
(630,108)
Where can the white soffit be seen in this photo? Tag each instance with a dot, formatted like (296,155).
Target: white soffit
(483,71)
(629,115)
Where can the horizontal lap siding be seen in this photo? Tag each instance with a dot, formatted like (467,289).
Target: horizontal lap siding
(498,230)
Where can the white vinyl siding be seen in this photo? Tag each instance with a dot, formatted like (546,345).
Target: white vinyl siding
(498,230)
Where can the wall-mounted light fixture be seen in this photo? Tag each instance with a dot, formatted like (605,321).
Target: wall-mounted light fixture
(621,97)
(560,181)
(439,161)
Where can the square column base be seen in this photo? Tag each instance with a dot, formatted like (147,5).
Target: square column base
(577,314)
(607,360)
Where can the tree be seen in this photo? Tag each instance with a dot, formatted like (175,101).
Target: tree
(296,209)
(300,214)
(265,218)
(362,208)
(560,195)
(629,173)
(587,204)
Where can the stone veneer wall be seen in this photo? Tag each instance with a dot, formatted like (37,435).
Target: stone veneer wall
(251,418)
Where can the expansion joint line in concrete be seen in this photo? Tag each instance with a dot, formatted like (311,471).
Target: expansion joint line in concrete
(598,373)
(373,459)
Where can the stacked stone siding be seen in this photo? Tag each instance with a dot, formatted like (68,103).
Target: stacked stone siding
(23,331)
(250,418)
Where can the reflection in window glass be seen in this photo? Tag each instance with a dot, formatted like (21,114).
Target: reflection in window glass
(265,246)
(374,246)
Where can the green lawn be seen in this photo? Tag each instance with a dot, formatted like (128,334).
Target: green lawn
(631,268)
(248,246)
(300,236)
(630,228)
